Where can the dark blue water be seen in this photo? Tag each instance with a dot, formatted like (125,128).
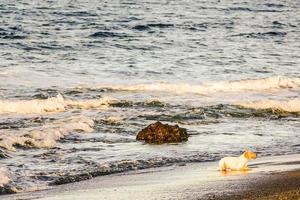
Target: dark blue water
(51,43)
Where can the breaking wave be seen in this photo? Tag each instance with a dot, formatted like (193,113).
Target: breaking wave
(287,105)
(125,166)
(263,84)
(4,177)
(53,104)
(46,135)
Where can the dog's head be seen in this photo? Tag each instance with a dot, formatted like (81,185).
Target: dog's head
(250,154)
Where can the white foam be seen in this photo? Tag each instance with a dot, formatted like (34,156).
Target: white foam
(288,105)
(46,135)
(4,176)
(222,86)
(53,104)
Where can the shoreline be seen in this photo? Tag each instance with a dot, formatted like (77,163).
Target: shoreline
(191,181)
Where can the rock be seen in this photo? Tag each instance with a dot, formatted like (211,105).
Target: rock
(158,133)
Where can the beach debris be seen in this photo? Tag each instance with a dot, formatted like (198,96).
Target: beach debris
(158,133)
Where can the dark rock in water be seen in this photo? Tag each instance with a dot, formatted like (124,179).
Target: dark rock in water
(158,133)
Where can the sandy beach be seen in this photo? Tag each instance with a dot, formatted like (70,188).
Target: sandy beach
(270,178)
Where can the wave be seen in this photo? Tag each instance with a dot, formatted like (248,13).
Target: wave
(42,179)
(60,104)
(106,34)
(120,166)
(261,35)
(6,182)
(160,25)
(4,177)
(142,27)
(216,113)
(53,104)
(287,105)
(263,84)
(46,135)
(91,103)
(12,33)
(112,120)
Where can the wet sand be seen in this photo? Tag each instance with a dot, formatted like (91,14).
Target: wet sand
(285,185)
(270,178)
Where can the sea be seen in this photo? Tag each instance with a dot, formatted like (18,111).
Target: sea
(80,78)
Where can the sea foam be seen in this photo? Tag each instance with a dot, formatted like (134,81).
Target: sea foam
(53,104)
(46,135)
(263,84)
(4,176)
(292,105)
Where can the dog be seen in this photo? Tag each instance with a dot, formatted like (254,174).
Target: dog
(236,163)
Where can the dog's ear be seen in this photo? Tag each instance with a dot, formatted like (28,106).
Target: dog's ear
(246,154)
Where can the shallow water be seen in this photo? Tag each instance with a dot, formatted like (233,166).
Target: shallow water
(79,79)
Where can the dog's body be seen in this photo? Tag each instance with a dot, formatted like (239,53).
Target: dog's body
(236,163)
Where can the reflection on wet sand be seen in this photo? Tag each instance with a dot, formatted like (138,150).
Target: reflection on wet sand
(235,172)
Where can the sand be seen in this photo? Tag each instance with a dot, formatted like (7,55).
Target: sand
(285,185)
(270,178)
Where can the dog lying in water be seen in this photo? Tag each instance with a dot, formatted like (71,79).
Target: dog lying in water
(236,163)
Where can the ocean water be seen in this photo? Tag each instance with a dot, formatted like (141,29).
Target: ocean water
(79,79)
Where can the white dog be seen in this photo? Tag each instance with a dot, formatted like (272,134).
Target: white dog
(236,163)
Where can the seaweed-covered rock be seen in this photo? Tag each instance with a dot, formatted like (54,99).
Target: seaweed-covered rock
(158,133)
